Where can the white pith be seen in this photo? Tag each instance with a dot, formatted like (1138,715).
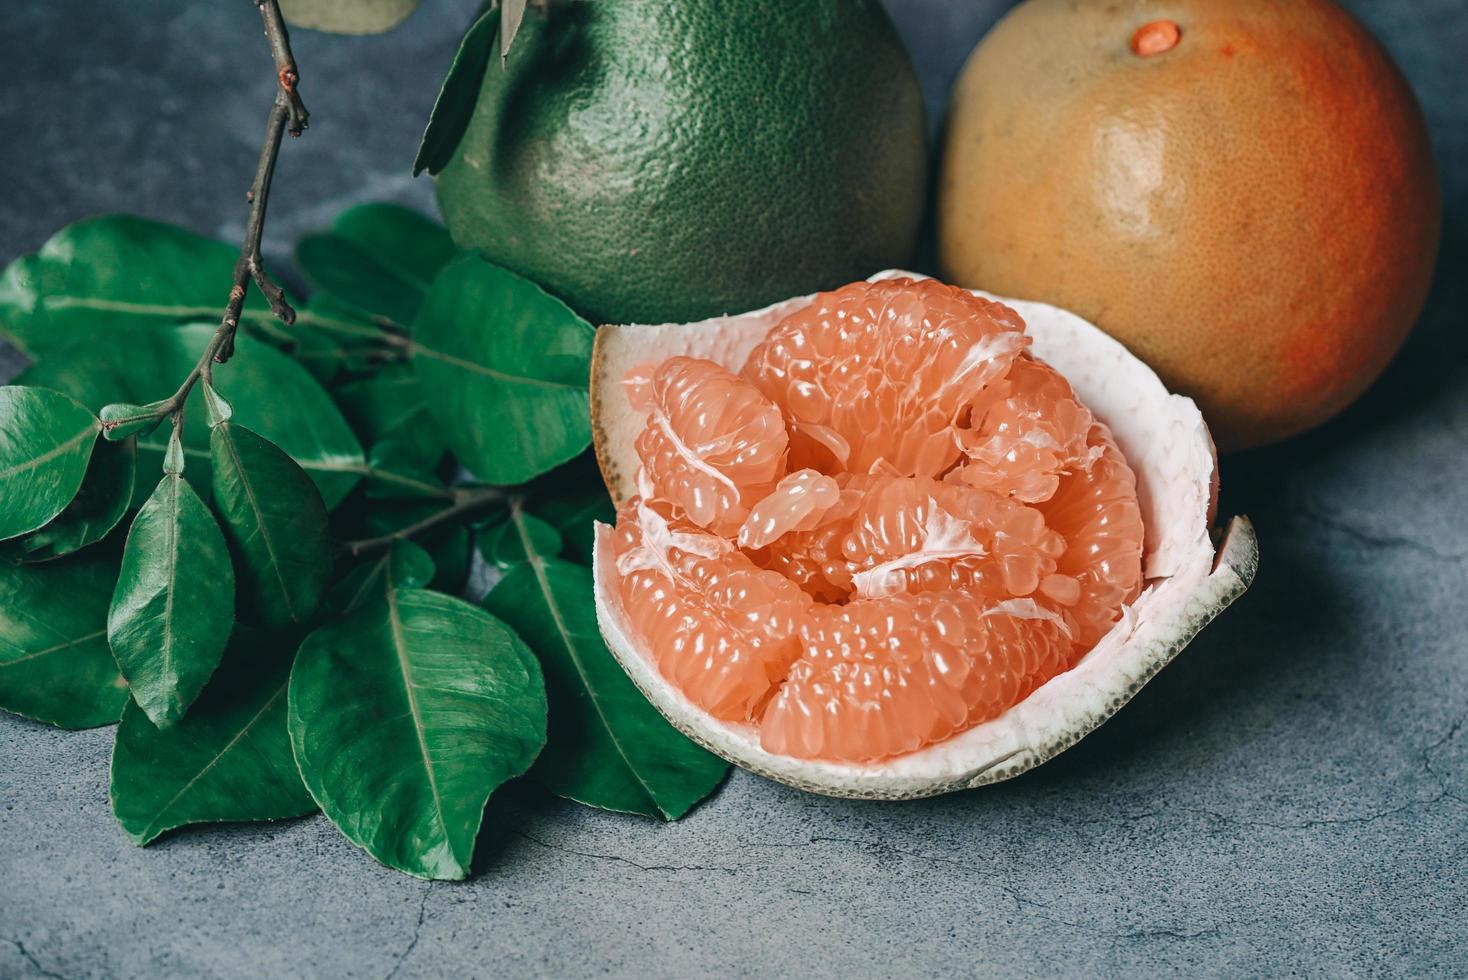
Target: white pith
(944,536)
(1168,446)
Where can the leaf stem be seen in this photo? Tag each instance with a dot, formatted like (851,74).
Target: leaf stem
(467,500)
(287,113)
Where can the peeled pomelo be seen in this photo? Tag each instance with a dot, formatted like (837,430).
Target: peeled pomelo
(900,538)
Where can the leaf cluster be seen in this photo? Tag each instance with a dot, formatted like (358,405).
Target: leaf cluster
(269,590)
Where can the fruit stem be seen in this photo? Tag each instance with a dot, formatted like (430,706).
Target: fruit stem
(1156,37)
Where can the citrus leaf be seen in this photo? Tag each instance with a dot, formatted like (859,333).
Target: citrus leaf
(378,258)
(105,274)
(218,407)
(608,746)
(99,506)
(273,396)
(123,421)
(348,16)
(173,608)
(55,665)
(335,319)
(275,521)
(406,716)
(321,355)
(502,544)
(228,759)
(328,337)
(376,405)
(504,368)
(395,472)
(449,544)
(574,514)
(390,405)
(46,440)
(455,103)
(403,565)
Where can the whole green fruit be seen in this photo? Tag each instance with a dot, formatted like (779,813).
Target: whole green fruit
(652,160)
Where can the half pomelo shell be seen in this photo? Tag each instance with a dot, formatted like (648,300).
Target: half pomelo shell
(1164,439)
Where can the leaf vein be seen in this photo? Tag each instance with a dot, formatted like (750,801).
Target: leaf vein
(537,565)
(57,648)
(400,647)
(264,531)
(244,730)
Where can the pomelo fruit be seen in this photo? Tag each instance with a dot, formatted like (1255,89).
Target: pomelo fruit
(1241,191)
(651,161)
(899,538)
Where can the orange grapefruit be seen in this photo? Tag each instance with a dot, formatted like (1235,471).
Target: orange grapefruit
(1241,191)
(860,529)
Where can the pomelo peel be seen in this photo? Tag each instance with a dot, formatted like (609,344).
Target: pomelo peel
(1166,443)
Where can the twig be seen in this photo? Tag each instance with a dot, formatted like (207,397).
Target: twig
(288,113)
(467,500)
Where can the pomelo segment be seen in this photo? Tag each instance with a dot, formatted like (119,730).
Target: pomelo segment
(957,721)
(719,627)
(877,375)
(713,444)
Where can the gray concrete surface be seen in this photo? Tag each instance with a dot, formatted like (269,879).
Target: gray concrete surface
(1291,797)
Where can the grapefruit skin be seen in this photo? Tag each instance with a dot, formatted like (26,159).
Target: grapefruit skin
(651,161)
(1252,210)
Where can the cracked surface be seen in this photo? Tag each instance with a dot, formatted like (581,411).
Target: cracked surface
(1289,796)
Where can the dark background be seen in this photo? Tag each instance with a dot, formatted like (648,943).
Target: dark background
(1292,794)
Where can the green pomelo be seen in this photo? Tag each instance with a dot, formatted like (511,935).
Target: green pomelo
(651,161)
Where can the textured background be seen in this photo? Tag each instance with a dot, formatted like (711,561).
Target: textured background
(1291,795)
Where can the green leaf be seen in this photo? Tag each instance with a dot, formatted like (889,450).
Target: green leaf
(403,565)
(503,544)
(173,608)
(396,472)
(55,665)
(574,514)
(378,258)
(216,405)
(390,405)
(328,337)
(454,106)
(228,759)
(99,506)
(105,274)
(449,545)
(348,16)
(273,396)
(46,441)
(406,717)
(335,319)
(504,368)
(276,524)
(123,421)
(608,746)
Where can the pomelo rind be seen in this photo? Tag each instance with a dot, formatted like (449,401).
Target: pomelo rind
(1165,440)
